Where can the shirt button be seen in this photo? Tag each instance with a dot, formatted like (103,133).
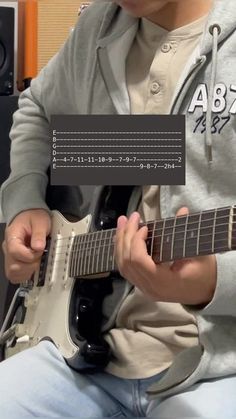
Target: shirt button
(155,88)
(166,47)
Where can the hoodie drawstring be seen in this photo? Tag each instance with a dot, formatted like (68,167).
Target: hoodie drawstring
(215,31)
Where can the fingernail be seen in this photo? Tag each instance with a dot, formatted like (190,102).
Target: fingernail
(38,245)
(121,221)
(134,216)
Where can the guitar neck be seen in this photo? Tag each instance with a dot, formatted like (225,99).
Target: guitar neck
(187,236)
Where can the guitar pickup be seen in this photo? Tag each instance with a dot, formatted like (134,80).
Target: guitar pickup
(43,264)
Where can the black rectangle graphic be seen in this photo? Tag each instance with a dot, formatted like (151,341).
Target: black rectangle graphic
(118,150)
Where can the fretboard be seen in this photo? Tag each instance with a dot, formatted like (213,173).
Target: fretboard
(197,234)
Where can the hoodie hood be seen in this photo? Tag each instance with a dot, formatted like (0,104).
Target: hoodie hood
(116,21)
(220,25)
(223,14)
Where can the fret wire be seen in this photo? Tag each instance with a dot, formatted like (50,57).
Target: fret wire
(82,243)
(218,232)
(82,250)
(198,233)
(207,251)
(156,253)
(74,252)
(230,227)
(150,231)
(113,263)
(171,218)
(98,253)
(84,254)
(78,255)
(179,232)
(191,223)
(84,261)
(152,242)
(213,230)
(109,256)
(185,235)
(97,244)
(194,229)
(86,241)
(206,243)
(107,252)
(156,243)
(103,250)
(219,249)
(172,239)
(89,257)
(94,249)
(208,224)
(162,236)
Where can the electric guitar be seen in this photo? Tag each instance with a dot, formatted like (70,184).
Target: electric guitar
(59,295)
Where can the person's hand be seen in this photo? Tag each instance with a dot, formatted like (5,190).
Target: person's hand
(186,281)
(24,243)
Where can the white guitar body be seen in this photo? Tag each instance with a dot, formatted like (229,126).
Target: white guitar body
(47,307)
(69,311)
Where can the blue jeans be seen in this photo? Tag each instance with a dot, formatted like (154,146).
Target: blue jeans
(37,382)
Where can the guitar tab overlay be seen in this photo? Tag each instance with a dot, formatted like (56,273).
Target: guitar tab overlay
(118,150)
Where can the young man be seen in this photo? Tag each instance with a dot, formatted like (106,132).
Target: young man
(175,331)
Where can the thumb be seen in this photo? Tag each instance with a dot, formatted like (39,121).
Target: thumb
(40,230)
(182,211)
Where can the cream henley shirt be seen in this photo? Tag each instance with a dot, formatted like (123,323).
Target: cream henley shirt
(149,334)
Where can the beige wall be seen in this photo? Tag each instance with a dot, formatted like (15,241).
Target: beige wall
(55,20)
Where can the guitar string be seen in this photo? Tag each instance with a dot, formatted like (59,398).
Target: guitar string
(82,252)
(152,223)
(196,214)
(85,271)
(85,247)
(149,237)
(106,241)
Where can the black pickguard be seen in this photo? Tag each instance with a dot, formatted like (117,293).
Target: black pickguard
(86,305)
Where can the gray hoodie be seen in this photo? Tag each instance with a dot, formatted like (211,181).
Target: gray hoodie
(87,76)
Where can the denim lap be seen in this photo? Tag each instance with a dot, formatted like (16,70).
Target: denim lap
(37,382)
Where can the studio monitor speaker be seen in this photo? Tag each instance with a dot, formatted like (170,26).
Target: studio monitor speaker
(7,17)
